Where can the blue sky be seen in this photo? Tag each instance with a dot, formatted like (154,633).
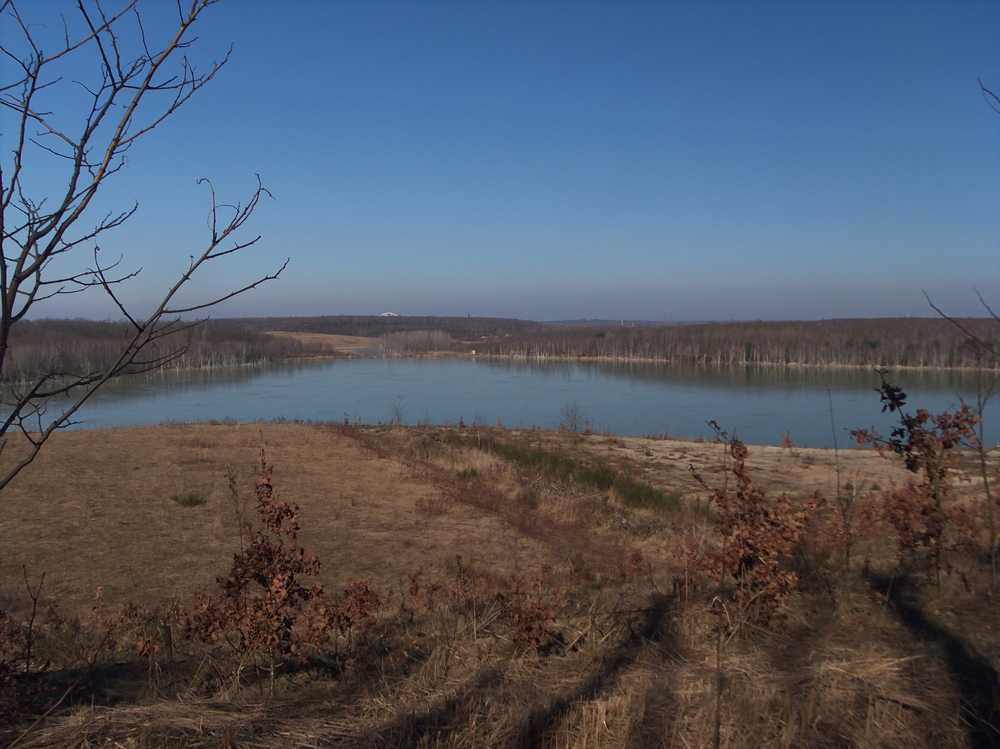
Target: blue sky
(557,160)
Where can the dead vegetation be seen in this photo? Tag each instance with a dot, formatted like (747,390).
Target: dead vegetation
(476,586)
(327,344)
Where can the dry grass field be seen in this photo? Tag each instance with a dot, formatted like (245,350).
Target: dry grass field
(331,344)
(534,589)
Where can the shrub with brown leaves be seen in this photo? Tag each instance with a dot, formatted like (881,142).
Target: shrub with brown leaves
(928,444)
(262,607)
(758,538)
(530,605)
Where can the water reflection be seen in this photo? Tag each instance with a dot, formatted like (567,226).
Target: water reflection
(726,376)
(638,398)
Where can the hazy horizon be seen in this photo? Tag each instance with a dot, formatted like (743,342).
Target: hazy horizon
(603,321)
(555,161)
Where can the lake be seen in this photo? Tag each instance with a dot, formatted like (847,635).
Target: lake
(758,404)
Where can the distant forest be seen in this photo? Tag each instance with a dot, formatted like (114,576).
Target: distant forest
(888,342)
(45,346)
(81,346)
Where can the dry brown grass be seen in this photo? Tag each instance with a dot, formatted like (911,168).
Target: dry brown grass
(636,660)
(330,343)
(95,510)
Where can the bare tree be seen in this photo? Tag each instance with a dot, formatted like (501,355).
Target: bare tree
(129,83)
(572,420)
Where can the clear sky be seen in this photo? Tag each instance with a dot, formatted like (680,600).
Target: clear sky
(557,160)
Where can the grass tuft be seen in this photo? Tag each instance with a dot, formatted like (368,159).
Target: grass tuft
(189,499)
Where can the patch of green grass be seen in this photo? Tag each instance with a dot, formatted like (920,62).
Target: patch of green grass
(427,448)
(601,476)
(550,465)
(636,493)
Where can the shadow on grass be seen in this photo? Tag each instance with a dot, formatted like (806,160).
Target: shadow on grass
(421,728)
(654,627)
(446,718)
(974,677)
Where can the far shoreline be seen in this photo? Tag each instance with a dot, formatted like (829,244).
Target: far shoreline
(357,349)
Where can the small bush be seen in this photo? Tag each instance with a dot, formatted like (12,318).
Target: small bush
(189,499)
(760,538)
(427,448)
(262,609)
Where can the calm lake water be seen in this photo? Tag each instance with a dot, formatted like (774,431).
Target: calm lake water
(757,404)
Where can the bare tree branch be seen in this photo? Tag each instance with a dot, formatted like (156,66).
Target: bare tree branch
(992,100)
(981,345)
(134,84)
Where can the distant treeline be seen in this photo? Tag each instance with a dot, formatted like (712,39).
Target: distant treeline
(84,346)
(376,326)
(912,342)
(77,347)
